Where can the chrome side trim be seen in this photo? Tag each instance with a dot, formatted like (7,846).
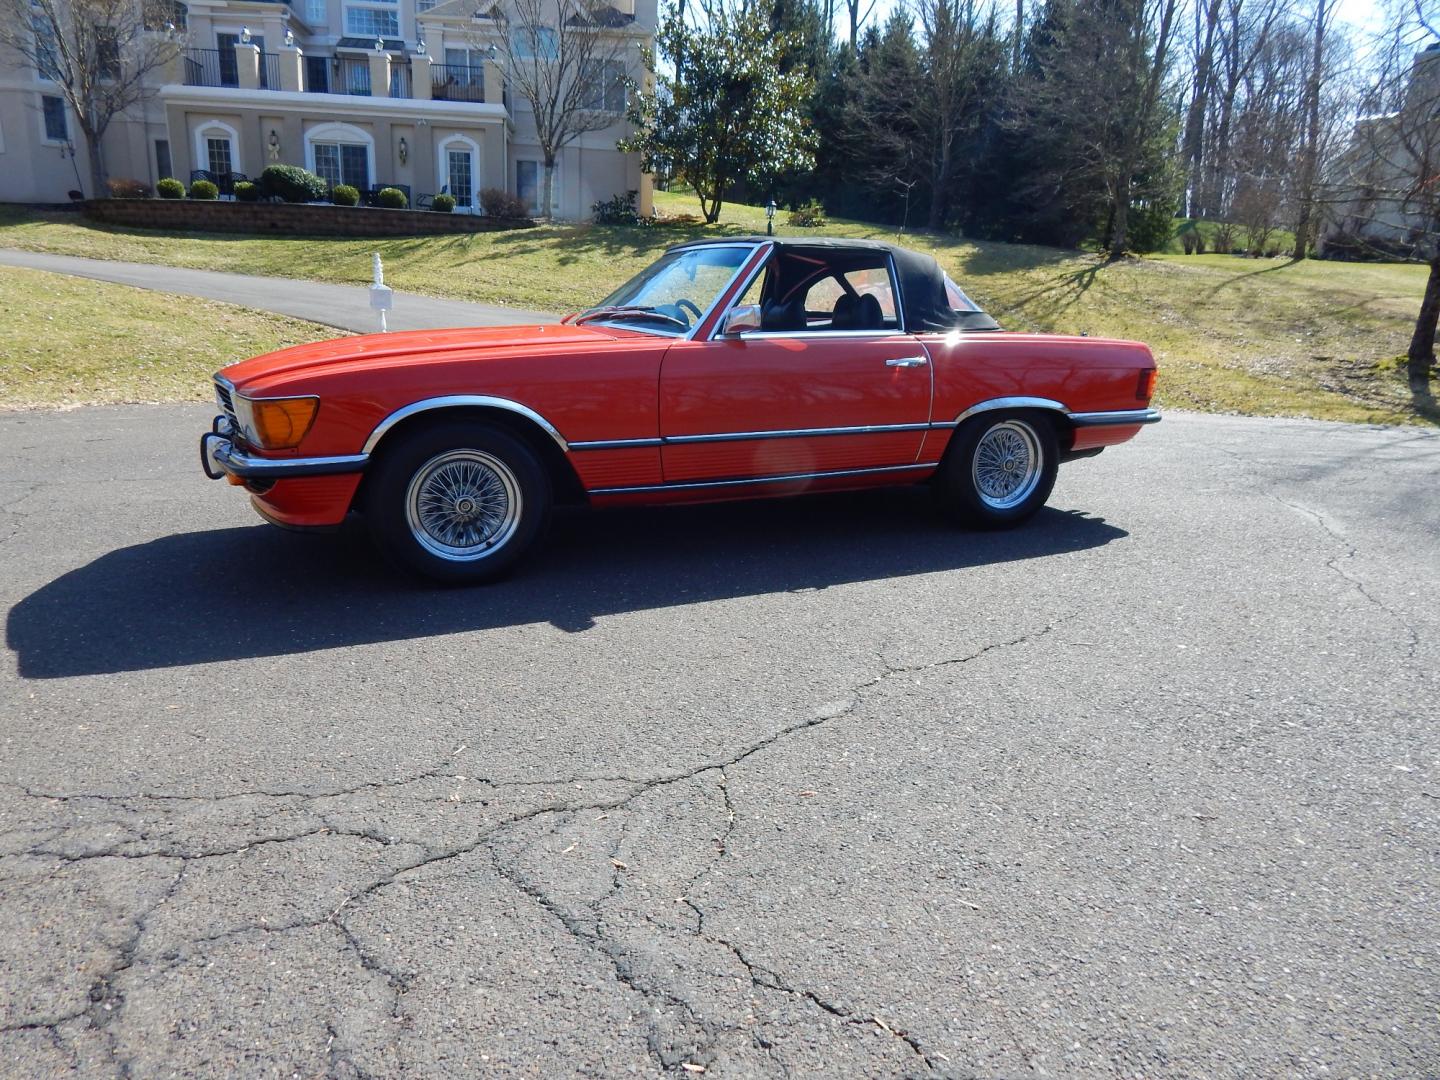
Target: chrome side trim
(1003,403)
(238,463)
(821,335)
(694,484)
(1118,416)
(460,400)
(792,433)
(614,444)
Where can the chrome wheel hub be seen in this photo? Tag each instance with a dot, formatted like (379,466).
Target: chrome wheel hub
(1007,466)
(463,505)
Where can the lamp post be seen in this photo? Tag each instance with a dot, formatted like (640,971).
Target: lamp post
(770,218)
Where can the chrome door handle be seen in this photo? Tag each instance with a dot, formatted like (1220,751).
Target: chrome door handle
(906,361)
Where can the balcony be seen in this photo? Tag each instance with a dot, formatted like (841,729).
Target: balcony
(391,74)
(221,67)
(457,82)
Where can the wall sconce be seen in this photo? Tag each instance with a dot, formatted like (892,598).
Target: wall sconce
(494,52)
(289,38)
(244,35)
(379,44)
(420,47)
(404,150)
(274,145)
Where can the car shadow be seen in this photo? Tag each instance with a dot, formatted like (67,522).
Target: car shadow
(241,593)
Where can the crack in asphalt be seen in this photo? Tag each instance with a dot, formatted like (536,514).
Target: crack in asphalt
(105,990)
(1336,564)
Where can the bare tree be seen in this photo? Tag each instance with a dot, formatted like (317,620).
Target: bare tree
(1383,191)
(1309,165)
(963,61)
(569,61)
(1203,41)
(858,12)
(100,54)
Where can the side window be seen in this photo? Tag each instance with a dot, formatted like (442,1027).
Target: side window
(875,282)
(755,289)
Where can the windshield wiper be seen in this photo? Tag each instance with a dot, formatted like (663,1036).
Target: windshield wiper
(627,310)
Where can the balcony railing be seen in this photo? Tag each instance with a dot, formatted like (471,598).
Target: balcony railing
(220,67)
(352,76)
(207,67)
(338,75)
(458,82)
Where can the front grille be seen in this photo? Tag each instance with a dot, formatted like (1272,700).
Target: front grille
(222,395)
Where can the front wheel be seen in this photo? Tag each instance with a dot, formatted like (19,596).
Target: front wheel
(999,470)
(457,502)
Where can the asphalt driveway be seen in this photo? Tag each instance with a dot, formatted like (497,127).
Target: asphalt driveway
(1148,788)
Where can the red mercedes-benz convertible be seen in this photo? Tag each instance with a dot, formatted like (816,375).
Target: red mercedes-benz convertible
(729,369)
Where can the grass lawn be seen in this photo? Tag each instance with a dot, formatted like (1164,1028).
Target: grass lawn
(72,341)
(1257,336)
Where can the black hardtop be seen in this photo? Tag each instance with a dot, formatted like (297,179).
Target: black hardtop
(921,279)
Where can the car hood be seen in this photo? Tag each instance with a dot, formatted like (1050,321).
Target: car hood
(265,372)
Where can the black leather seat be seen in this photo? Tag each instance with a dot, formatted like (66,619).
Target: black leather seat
(846,313)
(777,316)
(868,315)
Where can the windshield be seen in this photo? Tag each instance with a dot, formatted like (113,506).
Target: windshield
(673,295)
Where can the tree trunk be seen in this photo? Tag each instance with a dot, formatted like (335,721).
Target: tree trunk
(938,189)
(1120,221)
(1421,356)
(547,189)
(1019,35)
(98,175)
(1310,161)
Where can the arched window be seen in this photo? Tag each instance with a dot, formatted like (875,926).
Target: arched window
(341,154)
(458,168)
(217,148)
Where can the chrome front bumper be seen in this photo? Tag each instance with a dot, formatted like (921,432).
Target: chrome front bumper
(220,457)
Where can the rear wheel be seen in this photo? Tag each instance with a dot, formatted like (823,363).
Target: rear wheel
(458,503)
(999,470)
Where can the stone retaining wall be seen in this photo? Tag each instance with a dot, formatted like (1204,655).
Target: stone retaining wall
(290,219)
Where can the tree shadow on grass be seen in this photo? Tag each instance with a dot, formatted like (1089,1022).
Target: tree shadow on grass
(240,593)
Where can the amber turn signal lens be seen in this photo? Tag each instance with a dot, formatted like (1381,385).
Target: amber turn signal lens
(282,422)
(1145,387)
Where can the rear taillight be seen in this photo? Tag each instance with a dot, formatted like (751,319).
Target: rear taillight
(1145,385)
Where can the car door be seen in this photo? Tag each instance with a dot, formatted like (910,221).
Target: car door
(796,402)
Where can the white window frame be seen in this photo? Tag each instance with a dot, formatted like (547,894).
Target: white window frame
(40,111)
(341,133)
(389,6)
(443,146)
(212,128)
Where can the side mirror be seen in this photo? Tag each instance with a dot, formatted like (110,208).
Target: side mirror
(741,319)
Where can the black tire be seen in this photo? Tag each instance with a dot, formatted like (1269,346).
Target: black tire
(457,502)
(971,486)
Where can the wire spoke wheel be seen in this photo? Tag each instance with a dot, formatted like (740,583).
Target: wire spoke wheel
(463,505)
(1007,464)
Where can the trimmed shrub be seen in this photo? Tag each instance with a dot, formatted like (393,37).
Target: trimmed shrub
(392,199)
(499,203)
(617,210)
(443,204)
(810,215)
(170,188)
(128,189)
(292,183)
(245,191)
(205,190)
(344,195)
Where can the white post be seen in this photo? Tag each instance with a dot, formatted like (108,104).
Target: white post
(381,295)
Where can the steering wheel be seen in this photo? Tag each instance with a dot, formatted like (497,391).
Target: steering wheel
(690,305)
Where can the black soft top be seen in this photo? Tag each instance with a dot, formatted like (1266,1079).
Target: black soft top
(922,282)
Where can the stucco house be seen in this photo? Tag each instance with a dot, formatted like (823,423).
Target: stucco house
(364,92)
(1382,192)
